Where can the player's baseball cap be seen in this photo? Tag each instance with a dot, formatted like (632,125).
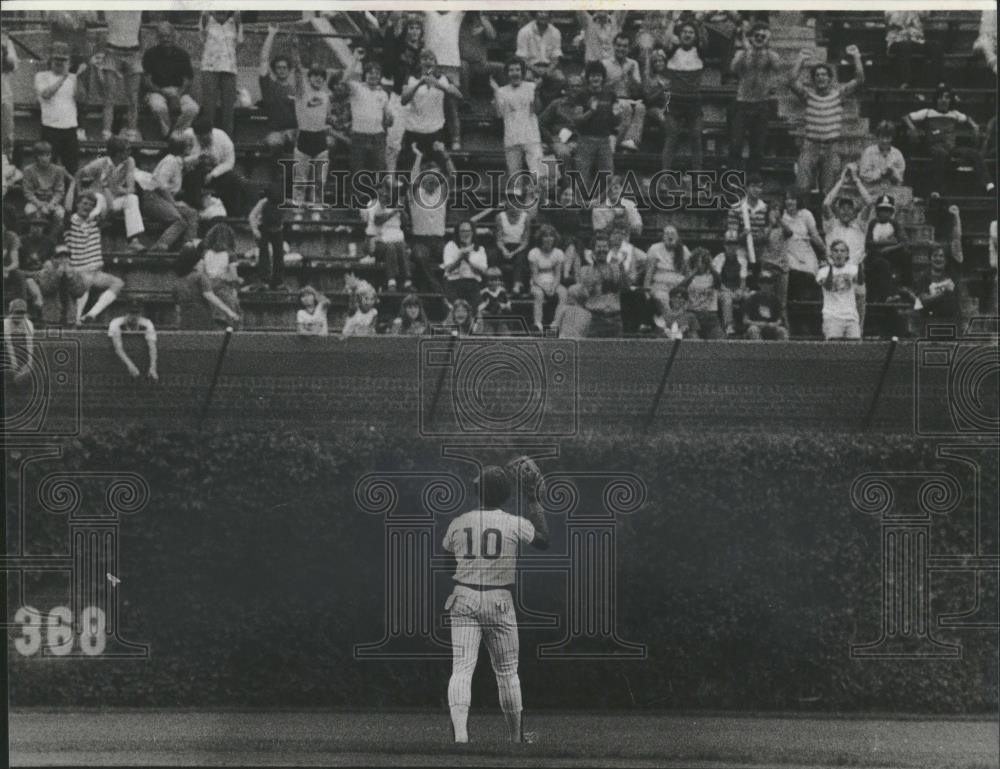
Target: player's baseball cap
(494,486)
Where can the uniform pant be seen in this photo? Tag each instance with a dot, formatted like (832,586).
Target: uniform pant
(488,616)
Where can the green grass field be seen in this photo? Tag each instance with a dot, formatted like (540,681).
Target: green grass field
(254,738)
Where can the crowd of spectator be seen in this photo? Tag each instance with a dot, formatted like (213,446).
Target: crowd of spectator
(396,105)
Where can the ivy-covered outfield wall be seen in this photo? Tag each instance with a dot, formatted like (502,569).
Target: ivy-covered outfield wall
(746,567)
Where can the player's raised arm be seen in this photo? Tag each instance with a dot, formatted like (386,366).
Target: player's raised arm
(525,470)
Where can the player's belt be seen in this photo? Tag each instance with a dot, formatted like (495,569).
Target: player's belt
(484,588)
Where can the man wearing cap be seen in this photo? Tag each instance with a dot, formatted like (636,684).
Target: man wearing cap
(133,322)
(56,89)
(485,542)
(762,311)
(167,76)
(18,339)
(733,270)
(44,186)
(886,251)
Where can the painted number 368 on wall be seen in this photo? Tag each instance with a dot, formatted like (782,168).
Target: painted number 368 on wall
(57,630)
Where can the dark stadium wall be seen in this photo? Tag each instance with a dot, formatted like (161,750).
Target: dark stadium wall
(270,381)
(250,569)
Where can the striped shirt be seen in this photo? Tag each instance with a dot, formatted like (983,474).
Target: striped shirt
(84,240)
(758,219)
(824,115)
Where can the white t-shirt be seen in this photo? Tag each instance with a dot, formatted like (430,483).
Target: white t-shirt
(313,323)
(59,110)
(426,110)
(441,36)
(144,326)
(532,46)
(546,265)
(390,231)
(485,544)
(853,235)
(465,270)
(367,108)
(520,124)
(839,302)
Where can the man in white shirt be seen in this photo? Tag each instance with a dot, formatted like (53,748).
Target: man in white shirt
(442,30)
(625,80)
(517,105)
(844,222)
(133,322)
(370,117)
(540,41)
(56,92)
(210,163)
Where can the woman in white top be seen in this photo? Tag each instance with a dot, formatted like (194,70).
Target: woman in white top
(464,264)
(546,262)
(668,265)
(802,242)
(512,227)
(425,119)
(222,32)
(311,319)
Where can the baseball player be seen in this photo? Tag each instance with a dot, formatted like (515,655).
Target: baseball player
(485,543)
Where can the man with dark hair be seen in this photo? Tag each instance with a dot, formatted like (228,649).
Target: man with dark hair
(824,102)
(133,322)
(210,163)
(595,123)
(625,81)
(762,311)
(485,543)
(755,66)
(277,95)
(940,124)
(167,76)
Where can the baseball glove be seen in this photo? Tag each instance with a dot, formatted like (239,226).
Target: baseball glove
(525,473)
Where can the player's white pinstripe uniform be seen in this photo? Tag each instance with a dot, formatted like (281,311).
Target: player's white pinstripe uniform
(485,544)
